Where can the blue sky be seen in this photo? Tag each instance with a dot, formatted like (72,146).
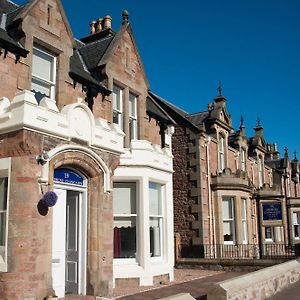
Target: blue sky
(253,47)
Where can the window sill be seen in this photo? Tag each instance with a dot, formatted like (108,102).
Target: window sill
(125,261)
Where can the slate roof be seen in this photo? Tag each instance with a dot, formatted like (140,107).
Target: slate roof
(8,8)
(198,118)
(157,112)
(94,51)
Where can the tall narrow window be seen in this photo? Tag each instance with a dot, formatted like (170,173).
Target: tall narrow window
(296,223)
(221,146)
(156,219)
(228,220)
(117,106)
(132,117)
(49,14)
(43,74)
(244,221)
(125,220)
(3,219)
(243,159)
(260,171)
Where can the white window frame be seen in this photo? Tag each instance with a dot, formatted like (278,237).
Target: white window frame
(231,221)
(161,220)
(260,171)
(244,221)
(51,83)
(221,152)
(133,117)
(296,222)
(136,259)
(117,91)
(243,159)
(5,167)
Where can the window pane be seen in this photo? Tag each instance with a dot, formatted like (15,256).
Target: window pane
(42,65)
(132,105)
(124,198)
(124,237)
(228,231)
(3,194)
(116,98)
(227,208)
(155,236)
(41,87)
(132,129)
(2,229)
(155,199)
(244,209)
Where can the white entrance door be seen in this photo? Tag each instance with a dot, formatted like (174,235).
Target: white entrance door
(58,243)
(68,242)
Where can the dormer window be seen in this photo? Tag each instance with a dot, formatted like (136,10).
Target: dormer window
(43,74)
(117,106)
(221,152)
(243,159)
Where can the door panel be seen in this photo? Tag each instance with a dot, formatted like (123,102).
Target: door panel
(58,243)
(72,232)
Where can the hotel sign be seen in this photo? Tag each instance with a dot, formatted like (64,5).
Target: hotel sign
(272,212)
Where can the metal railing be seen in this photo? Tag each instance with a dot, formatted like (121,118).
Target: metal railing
(247,251)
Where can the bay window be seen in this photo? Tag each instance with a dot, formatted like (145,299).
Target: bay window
(228,220)
(117,106)
(43,74)
(125,220)
(155,219)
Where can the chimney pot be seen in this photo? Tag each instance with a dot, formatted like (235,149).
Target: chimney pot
(99,25)
(92,27)
(107,22)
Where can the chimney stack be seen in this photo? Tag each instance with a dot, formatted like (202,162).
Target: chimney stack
(99,25)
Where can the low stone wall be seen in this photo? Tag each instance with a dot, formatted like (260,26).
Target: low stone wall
(257,285)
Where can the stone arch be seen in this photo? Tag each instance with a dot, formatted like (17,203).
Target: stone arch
(85,159)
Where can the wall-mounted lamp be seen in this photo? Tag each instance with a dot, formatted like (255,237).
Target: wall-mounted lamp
(42,158)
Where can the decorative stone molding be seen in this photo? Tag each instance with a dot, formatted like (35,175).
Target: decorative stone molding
(75,121)
(232,181)
(143,153)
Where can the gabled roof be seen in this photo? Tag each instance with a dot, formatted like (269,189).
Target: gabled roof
(100,47)
(198,118)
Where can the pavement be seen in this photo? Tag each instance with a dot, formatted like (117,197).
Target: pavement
(197,288)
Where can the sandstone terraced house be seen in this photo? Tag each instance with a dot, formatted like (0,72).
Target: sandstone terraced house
(234,196)
(76,119)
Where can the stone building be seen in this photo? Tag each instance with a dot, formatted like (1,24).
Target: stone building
(234,197)
(85,158)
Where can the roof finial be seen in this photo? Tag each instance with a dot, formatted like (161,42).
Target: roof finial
(295,155)
(242,121)
(125,16)
(286,151)
(258,121)
(219,89)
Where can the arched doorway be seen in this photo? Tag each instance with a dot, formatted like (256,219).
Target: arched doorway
(69,232)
